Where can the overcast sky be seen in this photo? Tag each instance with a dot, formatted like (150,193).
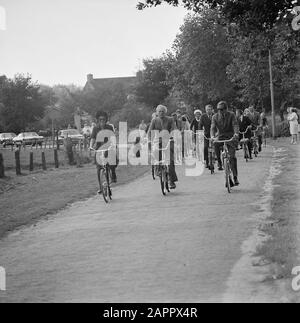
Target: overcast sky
(60,41)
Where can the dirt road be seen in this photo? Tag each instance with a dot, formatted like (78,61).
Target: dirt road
(142,247)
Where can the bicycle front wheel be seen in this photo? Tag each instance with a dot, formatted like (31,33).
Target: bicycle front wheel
(228,179)
(104,185)
(164,181)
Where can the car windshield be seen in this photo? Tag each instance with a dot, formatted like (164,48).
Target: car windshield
(70,132)
(30,134)
(8,135)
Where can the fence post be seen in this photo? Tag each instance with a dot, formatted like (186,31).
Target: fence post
(31,162)
(18,163)
(44,161)
(2,173)
(56,158)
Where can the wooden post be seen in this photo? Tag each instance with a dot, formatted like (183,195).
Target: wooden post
(18,163)
(56,163)
(44,161)
(2,173)
(31,162)
(272,97)
(69,151)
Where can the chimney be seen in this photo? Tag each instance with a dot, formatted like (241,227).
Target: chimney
(90,77)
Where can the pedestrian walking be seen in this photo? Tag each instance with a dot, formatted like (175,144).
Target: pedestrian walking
(294,126)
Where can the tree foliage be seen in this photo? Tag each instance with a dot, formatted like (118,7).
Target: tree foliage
(153,86)
(247,14)
(202,56)
(22,103)
(249,69)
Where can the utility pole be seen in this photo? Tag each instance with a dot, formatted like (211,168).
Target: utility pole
(272,97)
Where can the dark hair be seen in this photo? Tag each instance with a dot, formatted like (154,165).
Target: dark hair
(224,103)
(183,119)
(101,113)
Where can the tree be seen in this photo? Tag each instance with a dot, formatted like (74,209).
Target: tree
(153,85)
(249,69)
(22,103)
(110,97)
(247,14)
(202,54)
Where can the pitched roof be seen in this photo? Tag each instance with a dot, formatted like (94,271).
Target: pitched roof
(93,83)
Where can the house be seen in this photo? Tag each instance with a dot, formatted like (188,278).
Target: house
(94,84)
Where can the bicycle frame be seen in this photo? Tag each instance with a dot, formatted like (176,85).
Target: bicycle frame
(244,143)
(226,162)
(104,172)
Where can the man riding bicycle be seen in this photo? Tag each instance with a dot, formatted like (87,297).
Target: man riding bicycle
(160,123)
(104,140)
(225,125)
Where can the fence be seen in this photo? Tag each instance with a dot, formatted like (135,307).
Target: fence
(32,158)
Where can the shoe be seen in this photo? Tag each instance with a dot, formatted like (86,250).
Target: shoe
(100,192)
(220,168)
(172,186)
(259,149)
(236,181)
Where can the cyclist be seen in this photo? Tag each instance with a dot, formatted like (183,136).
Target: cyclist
(205,123)
(255,118)
(163,122)
(102,124)
(225,124)
(244,123)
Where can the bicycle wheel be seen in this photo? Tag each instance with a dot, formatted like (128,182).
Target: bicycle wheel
(255,150)
(153,172)
(104,185)
(246,153)
(163,182)
(211,163)
(167,180)
(109,176)
(227,176)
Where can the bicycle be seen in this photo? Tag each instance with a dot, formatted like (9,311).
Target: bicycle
(104,173)
(255,142)
(162,169)
(244,143)
(199,142)
(226,162)
(211,155)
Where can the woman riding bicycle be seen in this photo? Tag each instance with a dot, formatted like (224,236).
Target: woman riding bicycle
(160,123)
(102,137)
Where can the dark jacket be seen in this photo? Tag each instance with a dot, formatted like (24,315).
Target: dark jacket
(195,125)
(205,123)
(225,126)
(244,122)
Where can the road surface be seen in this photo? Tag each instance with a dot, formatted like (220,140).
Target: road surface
(142,247)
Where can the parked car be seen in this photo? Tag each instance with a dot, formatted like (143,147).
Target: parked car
(28,138)
(73,134)
(6,139)
(45,133)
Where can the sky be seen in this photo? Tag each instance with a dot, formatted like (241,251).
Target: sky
(61,41)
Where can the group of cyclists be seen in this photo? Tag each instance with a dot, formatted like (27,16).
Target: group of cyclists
(222,125)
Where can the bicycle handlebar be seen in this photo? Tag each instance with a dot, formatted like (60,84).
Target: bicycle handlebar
(243,133)
(223,141)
